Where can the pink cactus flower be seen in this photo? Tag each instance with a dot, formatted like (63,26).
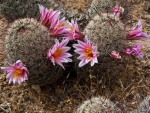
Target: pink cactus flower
(115,54)
(128,51)
(118,10)
(137,32)
(58,53)
(47,16)
(58,27)
(136,51)
(17,72)
(88,52)
(73,32)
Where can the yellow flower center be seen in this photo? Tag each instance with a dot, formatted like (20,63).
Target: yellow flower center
(17,72)
(144,30)
(61,25)
(143,49)
(50,8)
(120,8)
(88,52)
(57,53)
(71,28)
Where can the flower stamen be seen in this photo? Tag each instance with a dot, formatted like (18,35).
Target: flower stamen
(144,30)
(61,25)
(18,71)
(143,49)
(88,52)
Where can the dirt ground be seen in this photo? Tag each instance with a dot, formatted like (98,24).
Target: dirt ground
(68,93)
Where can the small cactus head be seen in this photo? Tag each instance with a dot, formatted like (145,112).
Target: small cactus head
(27,40)
(106,32)
(97,105)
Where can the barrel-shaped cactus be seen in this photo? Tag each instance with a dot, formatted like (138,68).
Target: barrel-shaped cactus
(28,41)
(97,105)
(106,32)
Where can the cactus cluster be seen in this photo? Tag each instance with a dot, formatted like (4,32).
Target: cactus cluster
(27,40)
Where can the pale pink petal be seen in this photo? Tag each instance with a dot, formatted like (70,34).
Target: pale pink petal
(10,74)
(66,48)
(63,43)
(82,63)
(7,69)
(10,80)
(60,31)
(66,55)
(14,80)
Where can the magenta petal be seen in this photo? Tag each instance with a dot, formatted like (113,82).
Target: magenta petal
(54,23)
(82,44)
(54,15)
(134,32)
(59,31)
(61,59)
(76,46)
(64,43)
(62,55)
(87,60)
(7,69)
(79,51)
(66,55)
(66,48)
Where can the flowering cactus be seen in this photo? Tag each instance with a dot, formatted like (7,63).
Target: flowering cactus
(137,32)
(107,37)
(16,72)
(28,40)
(88,52)
(58,53)
(58,27)
(73,32)
(136,50)
(118,10)
(115,54)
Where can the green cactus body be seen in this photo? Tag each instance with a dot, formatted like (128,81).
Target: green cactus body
(27,40)
(97,105)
